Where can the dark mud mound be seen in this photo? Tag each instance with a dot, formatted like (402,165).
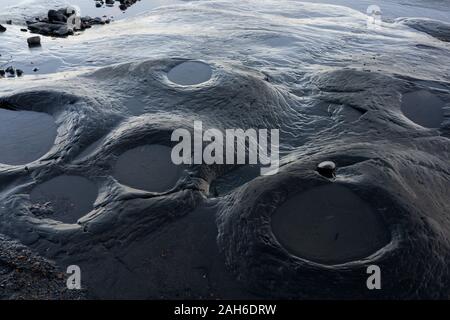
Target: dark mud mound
(437,29)
(279,237)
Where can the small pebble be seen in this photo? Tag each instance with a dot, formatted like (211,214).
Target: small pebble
(34,41)
(327,169)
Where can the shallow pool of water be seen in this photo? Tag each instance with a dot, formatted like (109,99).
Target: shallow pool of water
(329,224)
(25,136)
(148,168)
(190,73)
(66,198)
(423,108)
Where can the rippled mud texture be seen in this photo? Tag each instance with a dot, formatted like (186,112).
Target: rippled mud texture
(438,29)
(336,91)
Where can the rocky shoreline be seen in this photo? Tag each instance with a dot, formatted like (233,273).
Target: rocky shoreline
(55,24)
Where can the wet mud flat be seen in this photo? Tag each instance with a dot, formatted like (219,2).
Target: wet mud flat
(101,192)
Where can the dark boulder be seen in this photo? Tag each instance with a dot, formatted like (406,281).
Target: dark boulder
(56,16)
(49,29)
(10,71)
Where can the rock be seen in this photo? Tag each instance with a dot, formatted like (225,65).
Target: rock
(35,69)
(19,72)
(327,169)
(437,29)
(55,24)
(11,71)
(49,29)
(2,73)
(24,30)
(34,41)
(8,21)
(56,16)
(2,28)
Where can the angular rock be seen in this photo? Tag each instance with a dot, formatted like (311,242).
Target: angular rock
(34,41)
(48,29)
(56,16)
(10,71)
